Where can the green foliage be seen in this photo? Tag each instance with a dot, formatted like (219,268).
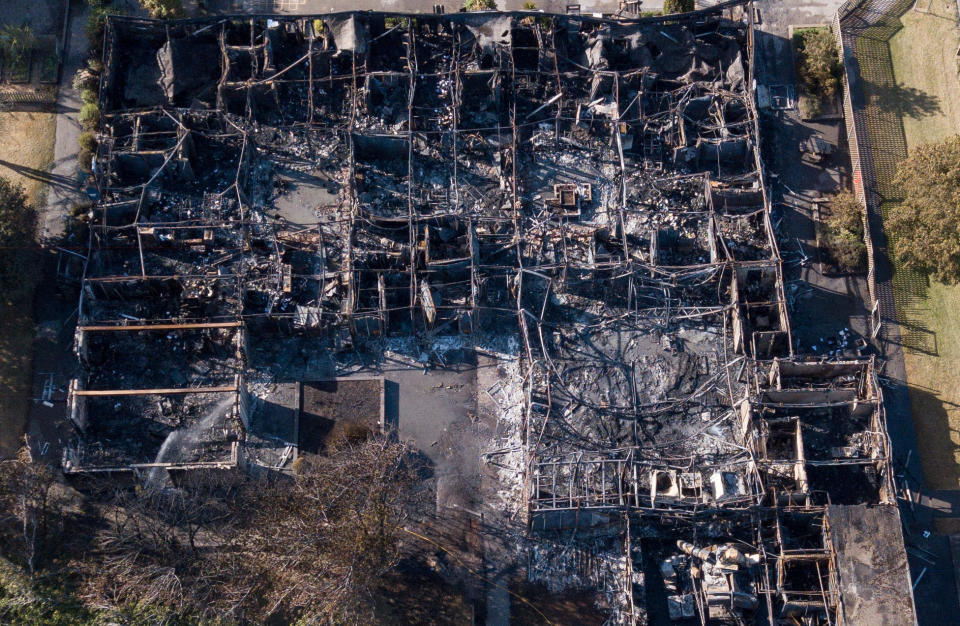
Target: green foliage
(843,230)
(89,116)
(810,106)
(529,6)
(84,79)
(925,227)
(88,141)
(163,9)
(85,160)
(96,24)
(18,227)
(89,96)
(678,6)
(480,5)
(17,40)
(818,66)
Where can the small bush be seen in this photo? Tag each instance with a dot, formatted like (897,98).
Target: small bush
(85,79)
(88,141)
(480,5)
(85,160)
(80,209)
(163,9)
(529,6)
(89,96)
(89,116)
(843,230)
(678,6)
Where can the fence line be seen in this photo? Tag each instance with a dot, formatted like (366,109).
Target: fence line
(856,22)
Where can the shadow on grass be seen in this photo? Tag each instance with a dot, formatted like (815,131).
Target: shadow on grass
(904,101)
(938,439)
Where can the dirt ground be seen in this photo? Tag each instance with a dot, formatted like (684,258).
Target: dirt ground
(928,94)
(336,409)
(27,150)
(25,153)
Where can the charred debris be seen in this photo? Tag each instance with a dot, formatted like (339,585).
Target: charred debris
(585,194)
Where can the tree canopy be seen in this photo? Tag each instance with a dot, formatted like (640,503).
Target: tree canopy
(925,227)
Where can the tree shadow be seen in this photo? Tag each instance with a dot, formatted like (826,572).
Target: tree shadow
(906,101)
(936,437)
(55,180)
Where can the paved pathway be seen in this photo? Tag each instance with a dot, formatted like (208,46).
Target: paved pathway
(61,198)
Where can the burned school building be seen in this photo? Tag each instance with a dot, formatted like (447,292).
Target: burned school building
(302,217)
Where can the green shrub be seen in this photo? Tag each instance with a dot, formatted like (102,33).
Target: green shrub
(88,141)
(89,96)
(163,9)
(85,160)
(480,5)
(678,6)
(89,116)
(529,6)
(843,230)
(83,79)
(96,24)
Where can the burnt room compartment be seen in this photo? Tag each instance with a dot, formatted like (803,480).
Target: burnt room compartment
(336,411)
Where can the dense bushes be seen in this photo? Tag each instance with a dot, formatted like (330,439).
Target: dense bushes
(818,68)
(843,231)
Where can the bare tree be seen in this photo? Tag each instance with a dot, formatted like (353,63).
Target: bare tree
(154,548)
(27,509)
(324,541)
(310,546)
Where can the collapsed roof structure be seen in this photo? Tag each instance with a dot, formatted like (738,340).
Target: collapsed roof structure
(591,189)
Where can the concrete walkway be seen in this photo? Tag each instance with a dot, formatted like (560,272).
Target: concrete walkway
(61,198)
